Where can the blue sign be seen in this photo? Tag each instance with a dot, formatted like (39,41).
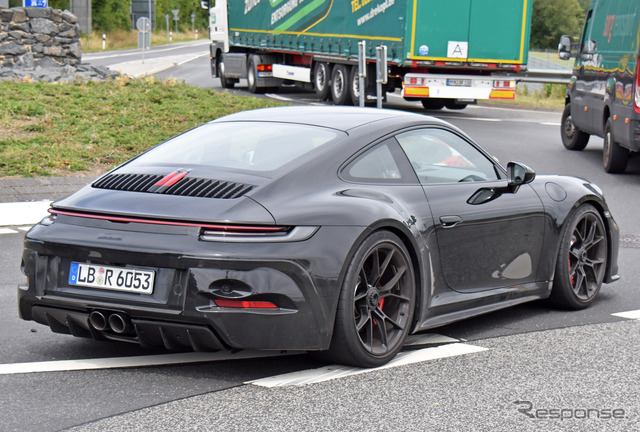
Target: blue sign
(35,3)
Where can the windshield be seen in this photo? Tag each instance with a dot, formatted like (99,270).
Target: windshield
(251,146)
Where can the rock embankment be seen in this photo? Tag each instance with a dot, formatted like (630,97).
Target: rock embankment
(43,44)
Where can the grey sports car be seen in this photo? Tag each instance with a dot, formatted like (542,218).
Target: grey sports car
(330,229)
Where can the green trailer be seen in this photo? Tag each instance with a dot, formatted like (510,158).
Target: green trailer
(443,53)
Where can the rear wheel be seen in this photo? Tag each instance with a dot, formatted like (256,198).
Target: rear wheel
(252,76)
(582,260)
(614,156)
(453,105)
(340,93)
(322,80)
(572,137)
(432,104)
(376,304)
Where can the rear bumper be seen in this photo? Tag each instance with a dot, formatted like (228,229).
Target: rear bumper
(301,278)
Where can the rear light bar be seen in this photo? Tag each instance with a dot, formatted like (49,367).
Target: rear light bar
(264,68)
(244,304)
(214,232)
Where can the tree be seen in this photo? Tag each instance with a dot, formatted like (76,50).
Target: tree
(551,19)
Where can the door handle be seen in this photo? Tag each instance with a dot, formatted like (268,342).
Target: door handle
(450,221)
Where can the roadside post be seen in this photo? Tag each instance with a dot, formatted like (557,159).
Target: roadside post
(381,72)
(166,17)
(193,21)
(104,40)
(144,34)
(362,71)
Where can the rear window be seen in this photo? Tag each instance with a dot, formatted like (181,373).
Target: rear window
(251,146)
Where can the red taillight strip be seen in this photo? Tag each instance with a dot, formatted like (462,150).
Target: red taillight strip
(244,304)
(225,228)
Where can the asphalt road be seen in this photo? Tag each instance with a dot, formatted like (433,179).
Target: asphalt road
(533,368)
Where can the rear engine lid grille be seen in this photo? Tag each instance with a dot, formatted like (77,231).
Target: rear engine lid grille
(185,186)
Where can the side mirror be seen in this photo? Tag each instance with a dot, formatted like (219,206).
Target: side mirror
(519,174)
(589,50)
(564,47)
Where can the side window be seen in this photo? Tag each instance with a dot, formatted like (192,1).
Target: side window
(440,156)
(377,164)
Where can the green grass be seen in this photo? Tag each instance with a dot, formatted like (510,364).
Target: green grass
(88,127)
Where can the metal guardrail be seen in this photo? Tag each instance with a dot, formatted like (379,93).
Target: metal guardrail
(551,76)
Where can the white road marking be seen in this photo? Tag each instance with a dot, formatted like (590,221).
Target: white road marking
(25,228)
(7,231)
(428,339)
(129,362)
(278,97)
(551,124)
(635,314)
(22,213)
(313,376)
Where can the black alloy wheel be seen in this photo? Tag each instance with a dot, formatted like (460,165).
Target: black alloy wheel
(377,302)
(582,260)
(572,137)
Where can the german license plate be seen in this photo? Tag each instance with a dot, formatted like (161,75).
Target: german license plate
(111,278)
(459,82)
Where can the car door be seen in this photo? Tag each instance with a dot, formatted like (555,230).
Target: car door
(483,244)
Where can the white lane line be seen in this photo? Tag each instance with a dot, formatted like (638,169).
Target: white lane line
(7,231)
(129,362)
(635,314)
(25,228)
(551,124)
(313,376)
(22,213)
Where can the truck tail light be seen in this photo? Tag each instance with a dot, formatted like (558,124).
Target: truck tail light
(264,68)
(636,99)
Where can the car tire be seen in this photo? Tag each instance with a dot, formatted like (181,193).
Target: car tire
(340,93)
(582,260)
(614,156)
(322,80)
(572,137)
(225,82)
(376,305)
(432,104)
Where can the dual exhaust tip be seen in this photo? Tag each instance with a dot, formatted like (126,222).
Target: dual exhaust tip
(117,322)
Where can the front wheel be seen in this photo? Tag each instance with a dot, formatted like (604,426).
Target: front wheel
(572,137)
(225,82)
(614,156)
(581,261)
(376,305)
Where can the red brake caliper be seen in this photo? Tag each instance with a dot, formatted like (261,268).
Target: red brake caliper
(573,241)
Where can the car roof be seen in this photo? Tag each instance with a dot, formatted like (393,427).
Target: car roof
(336,117)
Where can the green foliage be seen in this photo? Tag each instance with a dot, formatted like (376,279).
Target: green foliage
(55,129)
(107,15)
(553,18)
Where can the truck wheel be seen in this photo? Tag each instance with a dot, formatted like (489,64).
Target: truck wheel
(252,76)
(322,80)
(452,105)
(432,104)
(224,81)
(572,137)
(614,156)
(340,93)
